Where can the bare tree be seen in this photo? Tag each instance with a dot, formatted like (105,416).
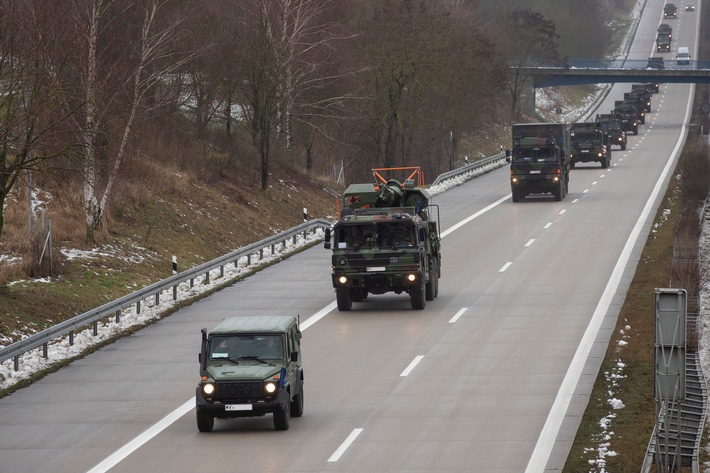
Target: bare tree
(29,126)
(121,67)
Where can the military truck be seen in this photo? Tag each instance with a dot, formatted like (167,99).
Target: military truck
(642,99)
(611,126)
(589,144)
(664,29)
(627,108)
(670,10)
(663,44)
(386,240)
(250,366)
(539,160)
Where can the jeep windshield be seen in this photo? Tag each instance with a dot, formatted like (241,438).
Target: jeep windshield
(257,347)
(533,155)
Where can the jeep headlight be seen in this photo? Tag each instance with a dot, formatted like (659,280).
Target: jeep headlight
(270,387)
(208,389)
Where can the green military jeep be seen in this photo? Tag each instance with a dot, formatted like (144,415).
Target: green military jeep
(250,366)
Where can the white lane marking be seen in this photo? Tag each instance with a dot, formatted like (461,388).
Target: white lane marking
(318,315)
(543,448)
(344,446)
(116,457)
(119,455)
(458,315)
(476,215)
(594,183)
(530,242)
(585,191)
(548,225)
(412,365)
(575,200)
(562,211)
(505,266)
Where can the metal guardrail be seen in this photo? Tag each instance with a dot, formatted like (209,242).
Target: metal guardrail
(114,308)
(474,166)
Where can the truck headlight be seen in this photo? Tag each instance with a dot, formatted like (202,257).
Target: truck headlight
(411,277)
(208,389)
(342,279)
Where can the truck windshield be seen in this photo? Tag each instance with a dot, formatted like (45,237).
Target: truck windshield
(355,236)
(395,234)
(533,155)
(245,347)
(587,139)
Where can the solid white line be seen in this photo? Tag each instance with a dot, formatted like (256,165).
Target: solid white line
(543,448)
(119,455)
(116,457)
(344,446)
(505,266)
(412,365)
(476,215)
(530,242)
(458,314)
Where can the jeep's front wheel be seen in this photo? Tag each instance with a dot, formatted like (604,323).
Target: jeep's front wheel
(282,417)
(345,303)
(416,294)
(297,404)
(205,421)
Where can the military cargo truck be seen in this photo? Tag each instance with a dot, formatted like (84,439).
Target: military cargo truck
(611,126)
(664,29)
(670,10)
(631,115)
(539,160)
(386,240)
(589,144)
(642,97)
(663,44)
(250,366)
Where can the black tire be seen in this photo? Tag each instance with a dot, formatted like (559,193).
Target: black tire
(342,294)
(557,192)
(516,195)
(623,146)
(429,289)
(573,164)
(205,421)
(282,417)
(297,403)
(437,275)
(416,294)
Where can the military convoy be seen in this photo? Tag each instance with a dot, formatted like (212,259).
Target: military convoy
(540,160)
(611,126)
(250,366)
(590,144)
(386,240)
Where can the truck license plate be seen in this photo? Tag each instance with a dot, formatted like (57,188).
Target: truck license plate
(237,407)
(534,172)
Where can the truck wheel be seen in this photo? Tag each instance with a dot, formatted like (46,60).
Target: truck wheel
(297,403)
(623,146)
(282,417)
(429,289)
(516,195)
(416,294)
(573,164)
(437,275)
(557,192)
(205,422)
(342,294)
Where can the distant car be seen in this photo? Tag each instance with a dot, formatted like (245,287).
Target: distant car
(690,8)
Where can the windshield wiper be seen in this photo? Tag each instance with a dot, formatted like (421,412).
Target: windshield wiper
(255,358)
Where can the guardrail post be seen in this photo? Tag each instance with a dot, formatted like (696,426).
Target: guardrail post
(175,292)
(138,307)
(248,260)
(118,315)
(95,327)
(221,271)
(192,283)
(157,298)
(16,362)
(261,253)
(71,338)
(207,277)
(45,350)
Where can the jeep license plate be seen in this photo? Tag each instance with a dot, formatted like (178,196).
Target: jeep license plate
(237,407)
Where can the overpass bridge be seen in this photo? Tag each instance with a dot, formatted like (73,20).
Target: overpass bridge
(599,71)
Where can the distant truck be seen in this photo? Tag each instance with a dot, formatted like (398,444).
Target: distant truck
(664,29)
(624,106)
(540,160)
(663,44)
(670,11)
(590,144)
(611,126)
(386,240)
(642,97)
(628,117)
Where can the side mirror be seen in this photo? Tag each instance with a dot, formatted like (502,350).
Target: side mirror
(507,156)
(326,243)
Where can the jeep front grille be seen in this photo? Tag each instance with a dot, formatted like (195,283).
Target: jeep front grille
(239,390)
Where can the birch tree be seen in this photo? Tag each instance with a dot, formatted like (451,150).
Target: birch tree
(121,69)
